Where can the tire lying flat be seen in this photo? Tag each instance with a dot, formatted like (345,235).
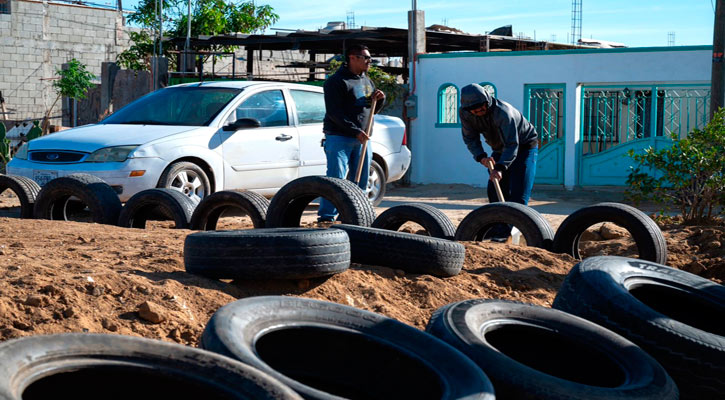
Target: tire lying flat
(532,225)
(675,316)
(430,218)
(330,351)
(272,253)
(645,232)
(412,253)
(25,189)
(91,366)
(532,352)
(286,207)
(101,199)
(157,204)
(206,215)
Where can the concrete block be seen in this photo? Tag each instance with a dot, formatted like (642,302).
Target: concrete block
(23,65)
(67,31)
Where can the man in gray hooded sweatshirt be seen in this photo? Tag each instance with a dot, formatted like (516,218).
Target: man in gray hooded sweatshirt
(512,138)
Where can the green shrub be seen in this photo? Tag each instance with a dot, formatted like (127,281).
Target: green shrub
(689,175)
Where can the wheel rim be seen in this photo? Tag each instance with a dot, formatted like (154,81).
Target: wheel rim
(189,183)
(375,184)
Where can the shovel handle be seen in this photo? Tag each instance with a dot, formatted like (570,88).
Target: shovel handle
(368,132)
(499,193)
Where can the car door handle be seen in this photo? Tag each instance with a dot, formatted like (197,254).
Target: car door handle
(283,137)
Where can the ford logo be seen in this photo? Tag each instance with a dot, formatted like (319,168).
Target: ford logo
(52,156)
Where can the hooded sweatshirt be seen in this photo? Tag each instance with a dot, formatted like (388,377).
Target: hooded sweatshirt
(503,127)
(347,103)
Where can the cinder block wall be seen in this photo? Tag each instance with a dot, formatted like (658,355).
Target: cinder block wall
(38,37)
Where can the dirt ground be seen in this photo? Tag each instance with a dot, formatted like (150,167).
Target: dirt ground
(82,277)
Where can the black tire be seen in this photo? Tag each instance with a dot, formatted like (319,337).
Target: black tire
(207,213)
(92,366)
(645,232)
(186,178)
(533,226)
(274,253)
(412,253)
(430,218)
(97,195)
(532,352)
(25,189)
(286,207)
(376,183)
(157,204)
(330,351)
(675,316)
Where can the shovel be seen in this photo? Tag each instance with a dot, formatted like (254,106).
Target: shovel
(499,193)
(368,133)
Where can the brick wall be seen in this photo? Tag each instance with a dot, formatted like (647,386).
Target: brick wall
(38,37)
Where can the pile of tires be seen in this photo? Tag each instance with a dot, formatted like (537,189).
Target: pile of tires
(675,316)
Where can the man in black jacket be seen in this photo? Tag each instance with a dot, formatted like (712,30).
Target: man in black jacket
(512,138)
(348,95)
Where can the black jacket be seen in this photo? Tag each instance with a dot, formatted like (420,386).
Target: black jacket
(347,103)
(503,127)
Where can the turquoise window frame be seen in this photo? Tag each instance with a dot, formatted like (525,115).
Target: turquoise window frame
(441,107)
(495,89)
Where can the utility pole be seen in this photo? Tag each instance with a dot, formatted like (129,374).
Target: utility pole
(717,90)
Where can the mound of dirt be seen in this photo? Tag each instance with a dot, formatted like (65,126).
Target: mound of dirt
(79,277)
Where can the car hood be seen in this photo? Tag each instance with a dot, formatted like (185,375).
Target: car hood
(90,138)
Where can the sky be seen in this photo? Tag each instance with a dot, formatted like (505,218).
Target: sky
(635,23)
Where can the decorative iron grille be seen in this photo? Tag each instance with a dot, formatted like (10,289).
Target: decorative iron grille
(546,113)
(448,105)
(620,115)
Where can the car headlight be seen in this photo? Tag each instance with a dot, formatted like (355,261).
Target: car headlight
(22,153)
(111,154)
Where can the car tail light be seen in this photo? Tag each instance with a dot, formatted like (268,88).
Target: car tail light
(405,137)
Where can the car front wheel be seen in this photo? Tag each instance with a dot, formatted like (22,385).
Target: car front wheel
(376,183)
(186,177)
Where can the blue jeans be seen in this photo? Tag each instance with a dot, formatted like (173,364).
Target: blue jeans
(343,155)
(516,183)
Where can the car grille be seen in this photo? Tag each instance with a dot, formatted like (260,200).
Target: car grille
(55,156)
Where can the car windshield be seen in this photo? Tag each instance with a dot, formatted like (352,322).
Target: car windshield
(188,105)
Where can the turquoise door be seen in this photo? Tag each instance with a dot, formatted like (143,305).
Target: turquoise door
(544,107)
(617,119)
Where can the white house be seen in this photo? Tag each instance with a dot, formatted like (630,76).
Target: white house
(590,106)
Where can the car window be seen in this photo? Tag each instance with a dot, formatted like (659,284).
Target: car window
(188,105)
(268,107)
(310,106)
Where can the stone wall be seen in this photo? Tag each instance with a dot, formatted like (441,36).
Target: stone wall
(38,37)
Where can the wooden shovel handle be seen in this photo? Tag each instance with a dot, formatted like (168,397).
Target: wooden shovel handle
(499,193)
(368,132)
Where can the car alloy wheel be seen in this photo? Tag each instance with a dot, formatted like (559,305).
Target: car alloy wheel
(376,184)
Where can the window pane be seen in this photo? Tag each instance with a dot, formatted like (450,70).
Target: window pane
(267,107)
(310,106)
(450,105)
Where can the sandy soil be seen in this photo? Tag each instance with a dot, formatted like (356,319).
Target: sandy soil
(82,277)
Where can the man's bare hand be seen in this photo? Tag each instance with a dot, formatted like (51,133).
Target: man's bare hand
(488,162)
(378,95)
(494,175)
(362,137)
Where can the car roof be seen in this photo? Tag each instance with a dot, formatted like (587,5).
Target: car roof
(247,84)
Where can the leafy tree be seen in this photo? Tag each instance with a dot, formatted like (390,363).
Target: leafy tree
(74,82)
(208,17)
(381,80)
(692,173)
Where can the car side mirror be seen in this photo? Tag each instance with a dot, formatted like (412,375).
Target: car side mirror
(242,123)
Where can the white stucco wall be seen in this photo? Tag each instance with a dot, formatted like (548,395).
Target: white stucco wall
(439,155)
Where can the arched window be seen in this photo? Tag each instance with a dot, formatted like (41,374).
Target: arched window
(448,100)
(490,88)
